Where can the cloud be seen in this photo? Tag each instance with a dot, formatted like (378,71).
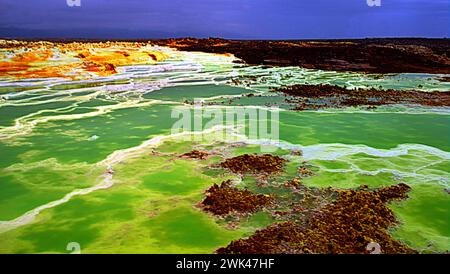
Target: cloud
(265,19)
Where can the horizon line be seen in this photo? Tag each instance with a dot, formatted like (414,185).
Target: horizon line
(210,37)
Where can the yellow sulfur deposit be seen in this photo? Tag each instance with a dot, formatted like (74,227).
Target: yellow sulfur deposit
(20,59)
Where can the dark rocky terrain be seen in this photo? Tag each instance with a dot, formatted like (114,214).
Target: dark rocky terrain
(390,55)
(306,97)
(346,226)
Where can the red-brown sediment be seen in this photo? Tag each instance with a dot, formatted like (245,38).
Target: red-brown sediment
(196,154)
(224,199)
(348,225)
(330,96)
(254,163)
(305,171)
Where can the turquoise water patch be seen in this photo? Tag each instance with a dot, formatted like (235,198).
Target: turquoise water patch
(71,141)
(187,228)
(8,114)
(424,218)
(182,93)
(381,130)
(23,190)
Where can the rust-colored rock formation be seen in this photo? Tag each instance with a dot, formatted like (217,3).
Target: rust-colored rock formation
(224,199)
(348,225)
(196,154)
(254,163)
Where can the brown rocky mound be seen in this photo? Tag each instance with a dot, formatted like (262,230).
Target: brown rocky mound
(196,154)
(224,199)
(348,225)
(254,163)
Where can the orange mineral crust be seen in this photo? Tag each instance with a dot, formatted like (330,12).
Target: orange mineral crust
(21,59)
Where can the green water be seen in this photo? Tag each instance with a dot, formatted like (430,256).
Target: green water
(57,141)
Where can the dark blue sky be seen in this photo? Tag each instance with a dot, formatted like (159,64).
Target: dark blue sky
(252,19)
